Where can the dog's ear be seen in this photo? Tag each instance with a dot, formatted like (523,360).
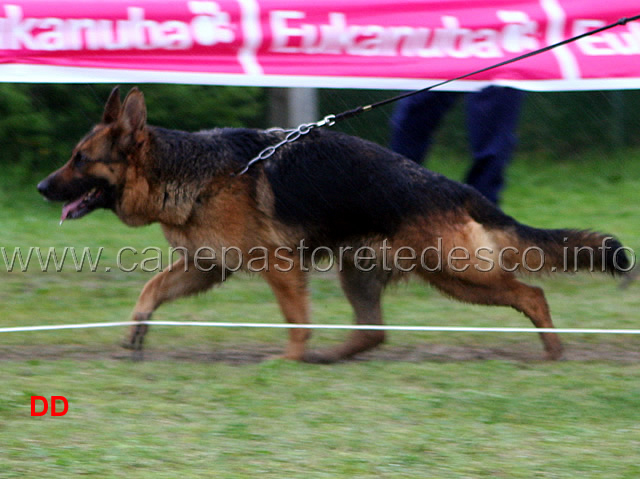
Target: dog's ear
(134,112)
(112,107)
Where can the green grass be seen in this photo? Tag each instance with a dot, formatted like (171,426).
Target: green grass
(186,413)
(276,419)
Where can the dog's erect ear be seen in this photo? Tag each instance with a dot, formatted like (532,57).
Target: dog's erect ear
(112,108)
(134,112)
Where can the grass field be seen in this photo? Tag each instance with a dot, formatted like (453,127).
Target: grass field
(210,403)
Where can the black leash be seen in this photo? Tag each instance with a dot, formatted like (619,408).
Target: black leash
(330,120)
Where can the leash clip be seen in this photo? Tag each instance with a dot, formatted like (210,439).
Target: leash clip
(328,120)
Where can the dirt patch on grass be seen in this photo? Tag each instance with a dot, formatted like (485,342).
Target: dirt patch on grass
(255,353)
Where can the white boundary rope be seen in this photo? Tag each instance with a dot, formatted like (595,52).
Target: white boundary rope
(454,329)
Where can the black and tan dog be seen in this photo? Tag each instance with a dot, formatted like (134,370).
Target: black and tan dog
(382,215)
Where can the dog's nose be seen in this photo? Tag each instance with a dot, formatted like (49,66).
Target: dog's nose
(43,186)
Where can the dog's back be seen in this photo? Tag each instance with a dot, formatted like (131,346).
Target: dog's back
(342,187)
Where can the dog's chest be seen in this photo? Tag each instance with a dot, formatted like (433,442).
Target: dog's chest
(197,240)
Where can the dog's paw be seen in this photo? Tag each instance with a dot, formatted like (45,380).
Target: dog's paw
(136,335)
(555,355)
(320,357)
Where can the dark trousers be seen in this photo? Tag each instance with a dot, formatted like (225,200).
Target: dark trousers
(491,119)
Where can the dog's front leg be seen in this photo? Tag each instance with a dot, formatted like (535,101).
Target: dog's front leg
(182,278)
(290,289)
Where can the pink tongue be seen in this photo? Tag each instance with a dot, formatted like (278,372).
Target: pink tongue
(69,207)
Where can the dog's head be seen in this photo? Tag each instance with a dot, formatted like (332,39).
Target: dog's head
(94,176)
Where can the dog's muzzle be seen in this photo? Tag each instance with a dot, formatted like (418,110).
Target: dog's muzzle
(43,187)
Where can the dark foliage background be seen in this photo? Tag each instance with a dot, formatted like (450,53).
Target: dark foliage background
(40,123)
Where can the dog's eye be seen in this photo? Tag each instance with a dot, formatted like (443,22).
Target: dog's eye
(79,160)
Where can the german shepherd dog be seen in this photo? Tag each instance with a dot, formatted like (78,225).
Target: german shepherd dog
(385,216)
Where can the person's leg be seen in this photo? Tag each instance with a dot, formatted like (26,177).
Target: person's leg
(415,119)
(492,118)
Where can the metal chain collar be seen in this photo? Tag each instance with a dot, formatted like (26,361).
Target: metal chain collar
(291,136)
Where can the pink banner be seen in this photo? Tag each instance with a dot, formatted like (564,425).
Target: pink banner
(353,43)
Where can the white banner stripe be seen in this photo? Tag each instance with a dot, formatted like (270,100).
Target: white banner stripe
(253,37)
(555,29)
(461,329)
(58,74)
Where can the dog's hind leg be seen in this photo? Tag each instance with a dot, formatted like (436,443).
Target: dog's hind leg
(180,279)
(530,300)
(507,291)
(290,290)
(363,289)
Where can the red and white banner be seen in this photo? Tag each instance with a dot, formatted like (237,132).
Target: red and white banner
(397,44)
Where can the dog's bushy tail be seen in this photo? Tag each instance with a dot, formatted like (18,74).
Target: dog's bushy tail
(570,251)
(530,250)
